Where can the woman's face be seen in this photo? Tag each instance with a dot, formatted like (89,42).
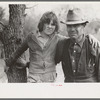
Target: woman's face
(49,29)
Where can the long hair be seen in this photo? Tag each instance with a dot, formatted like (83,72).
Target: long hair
(46,18)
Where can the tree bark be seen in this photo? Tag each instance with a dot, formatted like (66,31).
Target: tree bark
(12,39)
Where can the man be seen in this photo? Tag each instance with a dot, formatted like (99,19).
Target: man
(79,59)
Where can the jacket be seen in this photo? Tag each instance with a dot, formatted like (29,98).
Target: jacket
(41,60)
(87,69)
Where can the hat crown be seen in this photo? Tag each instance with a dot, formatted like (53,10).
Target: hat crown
(74,15)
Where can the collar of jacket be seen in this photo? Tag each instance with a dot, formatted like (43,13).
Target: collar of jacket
(80,43)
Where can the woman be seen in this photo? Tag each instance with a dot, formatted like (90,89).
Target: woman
(42,45)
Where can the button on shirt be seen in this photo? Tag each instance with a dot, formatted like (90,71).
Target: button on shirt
(75,51)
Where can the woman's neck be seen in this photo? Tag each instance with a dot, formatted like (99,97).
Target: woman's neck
(45,35)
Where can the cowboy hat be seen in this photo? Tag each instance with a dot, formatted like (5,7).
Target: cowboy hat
(74,16)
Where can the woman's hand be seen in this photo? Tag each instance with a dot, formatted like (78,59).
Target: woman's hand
(94,42)
(21,63)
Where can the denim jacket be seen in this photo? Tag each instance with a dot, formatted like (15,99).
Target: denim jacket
(41,60)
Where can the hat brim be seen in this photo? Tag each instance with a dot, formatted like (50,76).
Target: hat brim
(74,22)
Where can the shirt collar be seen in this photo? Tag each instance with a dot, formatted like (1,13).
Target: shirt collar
(80,43)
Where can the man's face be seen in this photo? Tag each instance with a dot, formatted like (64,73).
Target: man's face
(75,31)
(48,29)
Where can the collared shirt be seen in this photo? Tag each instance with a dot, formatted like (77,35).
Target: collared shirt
(42,41)
(75,51)
(80,43)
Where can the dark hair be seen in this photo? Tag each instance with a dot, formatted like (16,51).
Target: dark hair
(46,18)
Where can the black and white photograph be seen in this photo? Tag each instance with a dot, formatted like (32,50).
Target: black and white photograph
(53,43)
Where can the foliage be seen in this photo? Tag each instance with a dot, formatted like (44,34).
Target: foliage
(2,13)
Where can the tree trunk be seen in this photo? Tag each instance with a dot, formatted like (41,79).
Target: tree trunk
(12,39)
